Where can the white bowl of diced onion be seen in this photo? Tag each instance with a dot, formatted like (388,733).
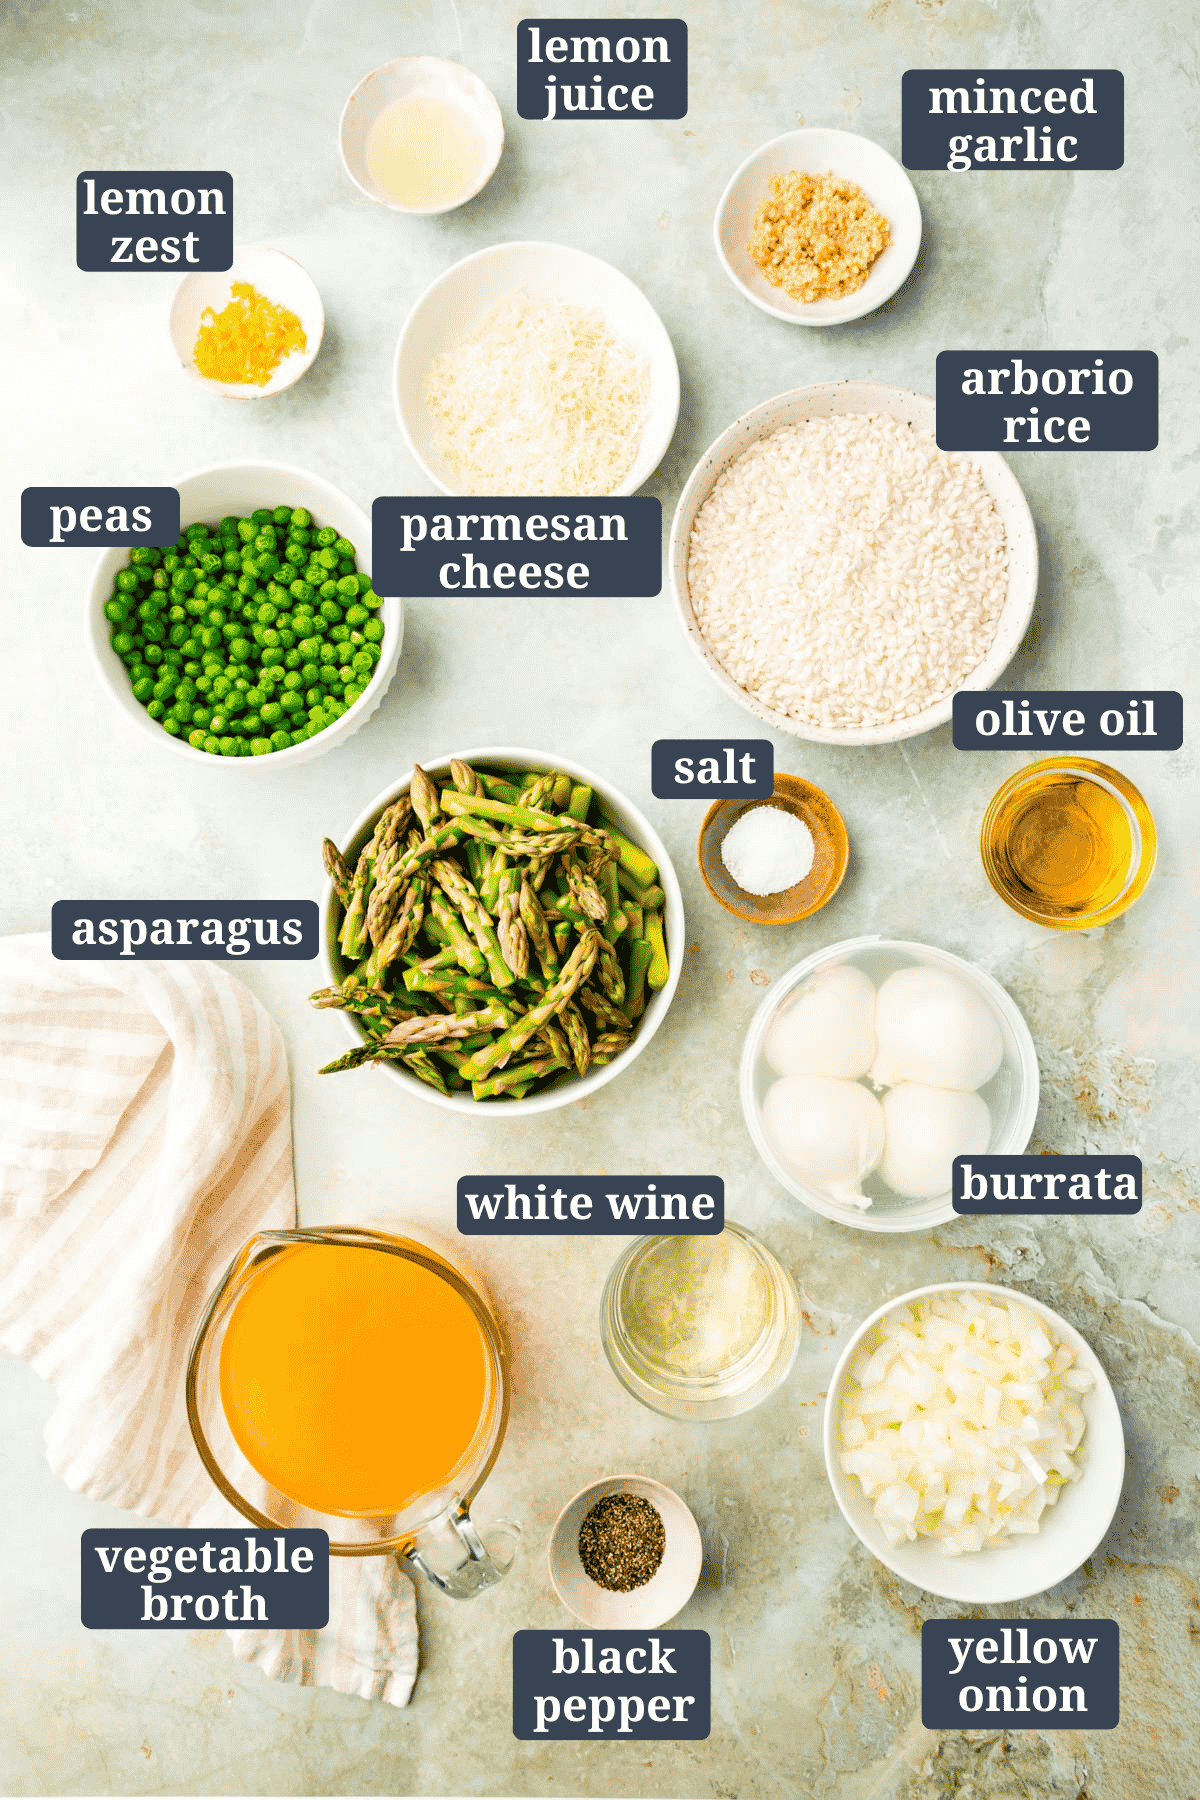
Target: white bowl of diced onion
(458,303)
(1048,1526)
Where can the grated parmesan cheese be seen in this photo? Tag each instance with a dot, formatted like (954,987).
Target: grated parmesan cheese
(540,399)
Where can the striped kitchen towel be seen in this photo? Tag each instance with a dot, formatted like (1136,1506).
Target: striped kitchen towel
(145,1134)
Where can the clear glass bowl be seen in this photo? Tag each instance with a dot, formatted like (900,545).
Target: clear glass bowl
(1003,818)
(754,1370)
(1011,1095)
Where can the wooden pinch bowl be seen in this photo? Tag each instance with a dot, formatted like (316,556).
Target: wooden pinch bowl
(831,855)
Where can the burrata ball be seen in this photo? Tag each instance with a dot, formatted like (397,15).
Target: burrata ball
(829,1132)
(925,1128)
(931,1027)
(828,1028)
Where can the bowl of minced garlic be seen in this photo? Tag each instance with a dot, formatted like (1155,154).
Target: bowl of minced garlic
(251,330)
(818,227)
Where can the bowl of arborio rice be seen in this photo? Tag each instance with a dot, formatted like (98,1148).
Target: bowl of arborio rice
(840,576)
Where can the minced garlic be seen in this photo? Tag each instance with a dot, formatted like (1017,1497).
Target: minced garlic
(816,237)
(248,339)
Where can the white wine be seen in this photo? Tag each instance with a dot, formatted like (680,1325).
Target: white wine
(424,152)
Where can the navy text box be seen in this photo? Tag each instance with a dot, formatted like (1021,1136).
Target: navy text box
(1020,1674)
(556,547)
(1075,719)
(999,119)
(602,69)
(1047,1184)
(712,769)
(184,930)
(189,1579)
(611,1684)
(1047,400)
(139,219)
(590,1205)
(99,518)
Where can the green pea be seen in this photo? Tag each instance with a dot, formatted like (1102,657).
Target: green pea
(229,746)
(122,641)
(318,716)
(115,610)
(290,700)
(347,571)
(172,725)
(352,694)
(373,630)
(301,518)
(331,611)
(302,590)
(271,655)
(181,712)
(281,740)
(196,739)
(346,674)
(312,698)
(143,690)
(339,634)
(357,614)
(344,547)
(327,558)
(329,675)
(348,585)
(156,709)
(126,579)
(371,599)
(271,713)
(336,707)
(260,746)
(212,745)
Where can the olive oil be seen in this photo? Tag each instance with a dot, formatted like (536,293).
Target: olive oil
(1068,842)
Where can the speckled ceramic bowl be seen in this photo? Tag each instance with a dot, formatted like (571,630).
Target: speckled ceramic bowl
(820,402)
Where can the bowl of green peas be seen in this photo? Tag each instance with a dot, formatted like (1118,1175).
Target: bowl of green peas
(257,638)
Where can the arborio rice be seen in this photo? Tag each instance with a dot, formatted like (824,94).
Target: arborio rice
(848,572)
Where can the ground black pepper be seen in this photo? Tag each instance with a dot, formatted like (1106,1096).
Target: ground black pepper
(621,1542)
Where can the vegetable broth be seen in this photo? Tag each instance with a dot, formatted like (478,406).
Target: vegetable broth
(355,1381)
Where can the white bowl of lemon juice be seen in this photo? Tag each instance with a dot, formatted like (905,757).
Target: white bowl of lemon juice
(421,134)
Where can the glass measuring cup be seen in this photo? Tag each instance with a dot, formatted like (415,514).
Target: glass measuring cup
(271,1410)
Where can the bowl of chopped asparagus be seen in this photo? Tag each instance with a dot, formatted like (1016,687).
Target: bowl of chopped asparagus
(501,929)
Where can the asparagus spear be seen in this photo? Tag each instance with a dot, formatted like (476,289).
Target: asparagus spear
(461,892)
(516,1079)
(641,955)
(440,1026)
(537,930)
(651,898)
(584,892)
(575,970)
(659,970)
(426,801)
(456,934)
(609,976)
(338,870)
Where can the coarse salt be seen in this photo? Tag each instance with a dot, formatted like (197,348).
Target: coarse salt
(768,850)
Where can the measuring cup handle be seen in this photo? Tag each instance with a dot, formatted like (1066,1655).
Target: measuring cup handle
(480,1568)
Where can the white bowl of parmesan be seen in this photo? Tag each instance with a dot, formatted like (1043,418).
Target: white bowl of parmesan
(841,577)
(536,369)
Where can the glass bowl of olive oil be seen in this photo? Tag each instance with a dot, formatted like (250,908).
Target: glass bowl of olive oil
(1068,842)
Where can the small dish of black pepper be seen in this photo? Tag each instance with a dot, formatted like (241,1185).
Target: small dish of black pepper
(625,1554)
(621,1542)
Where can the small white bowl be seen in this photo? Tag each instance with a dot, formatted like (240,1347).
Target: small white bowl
(413,77)
(1012,1093)
(819,152)
(569,1087)
(643,1608)
(454,305)
(277,277)
(208,494)
(1070,1530)
(821,401)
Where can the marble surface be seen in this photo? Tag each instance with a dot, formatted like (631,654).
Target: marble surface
(815,1646)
